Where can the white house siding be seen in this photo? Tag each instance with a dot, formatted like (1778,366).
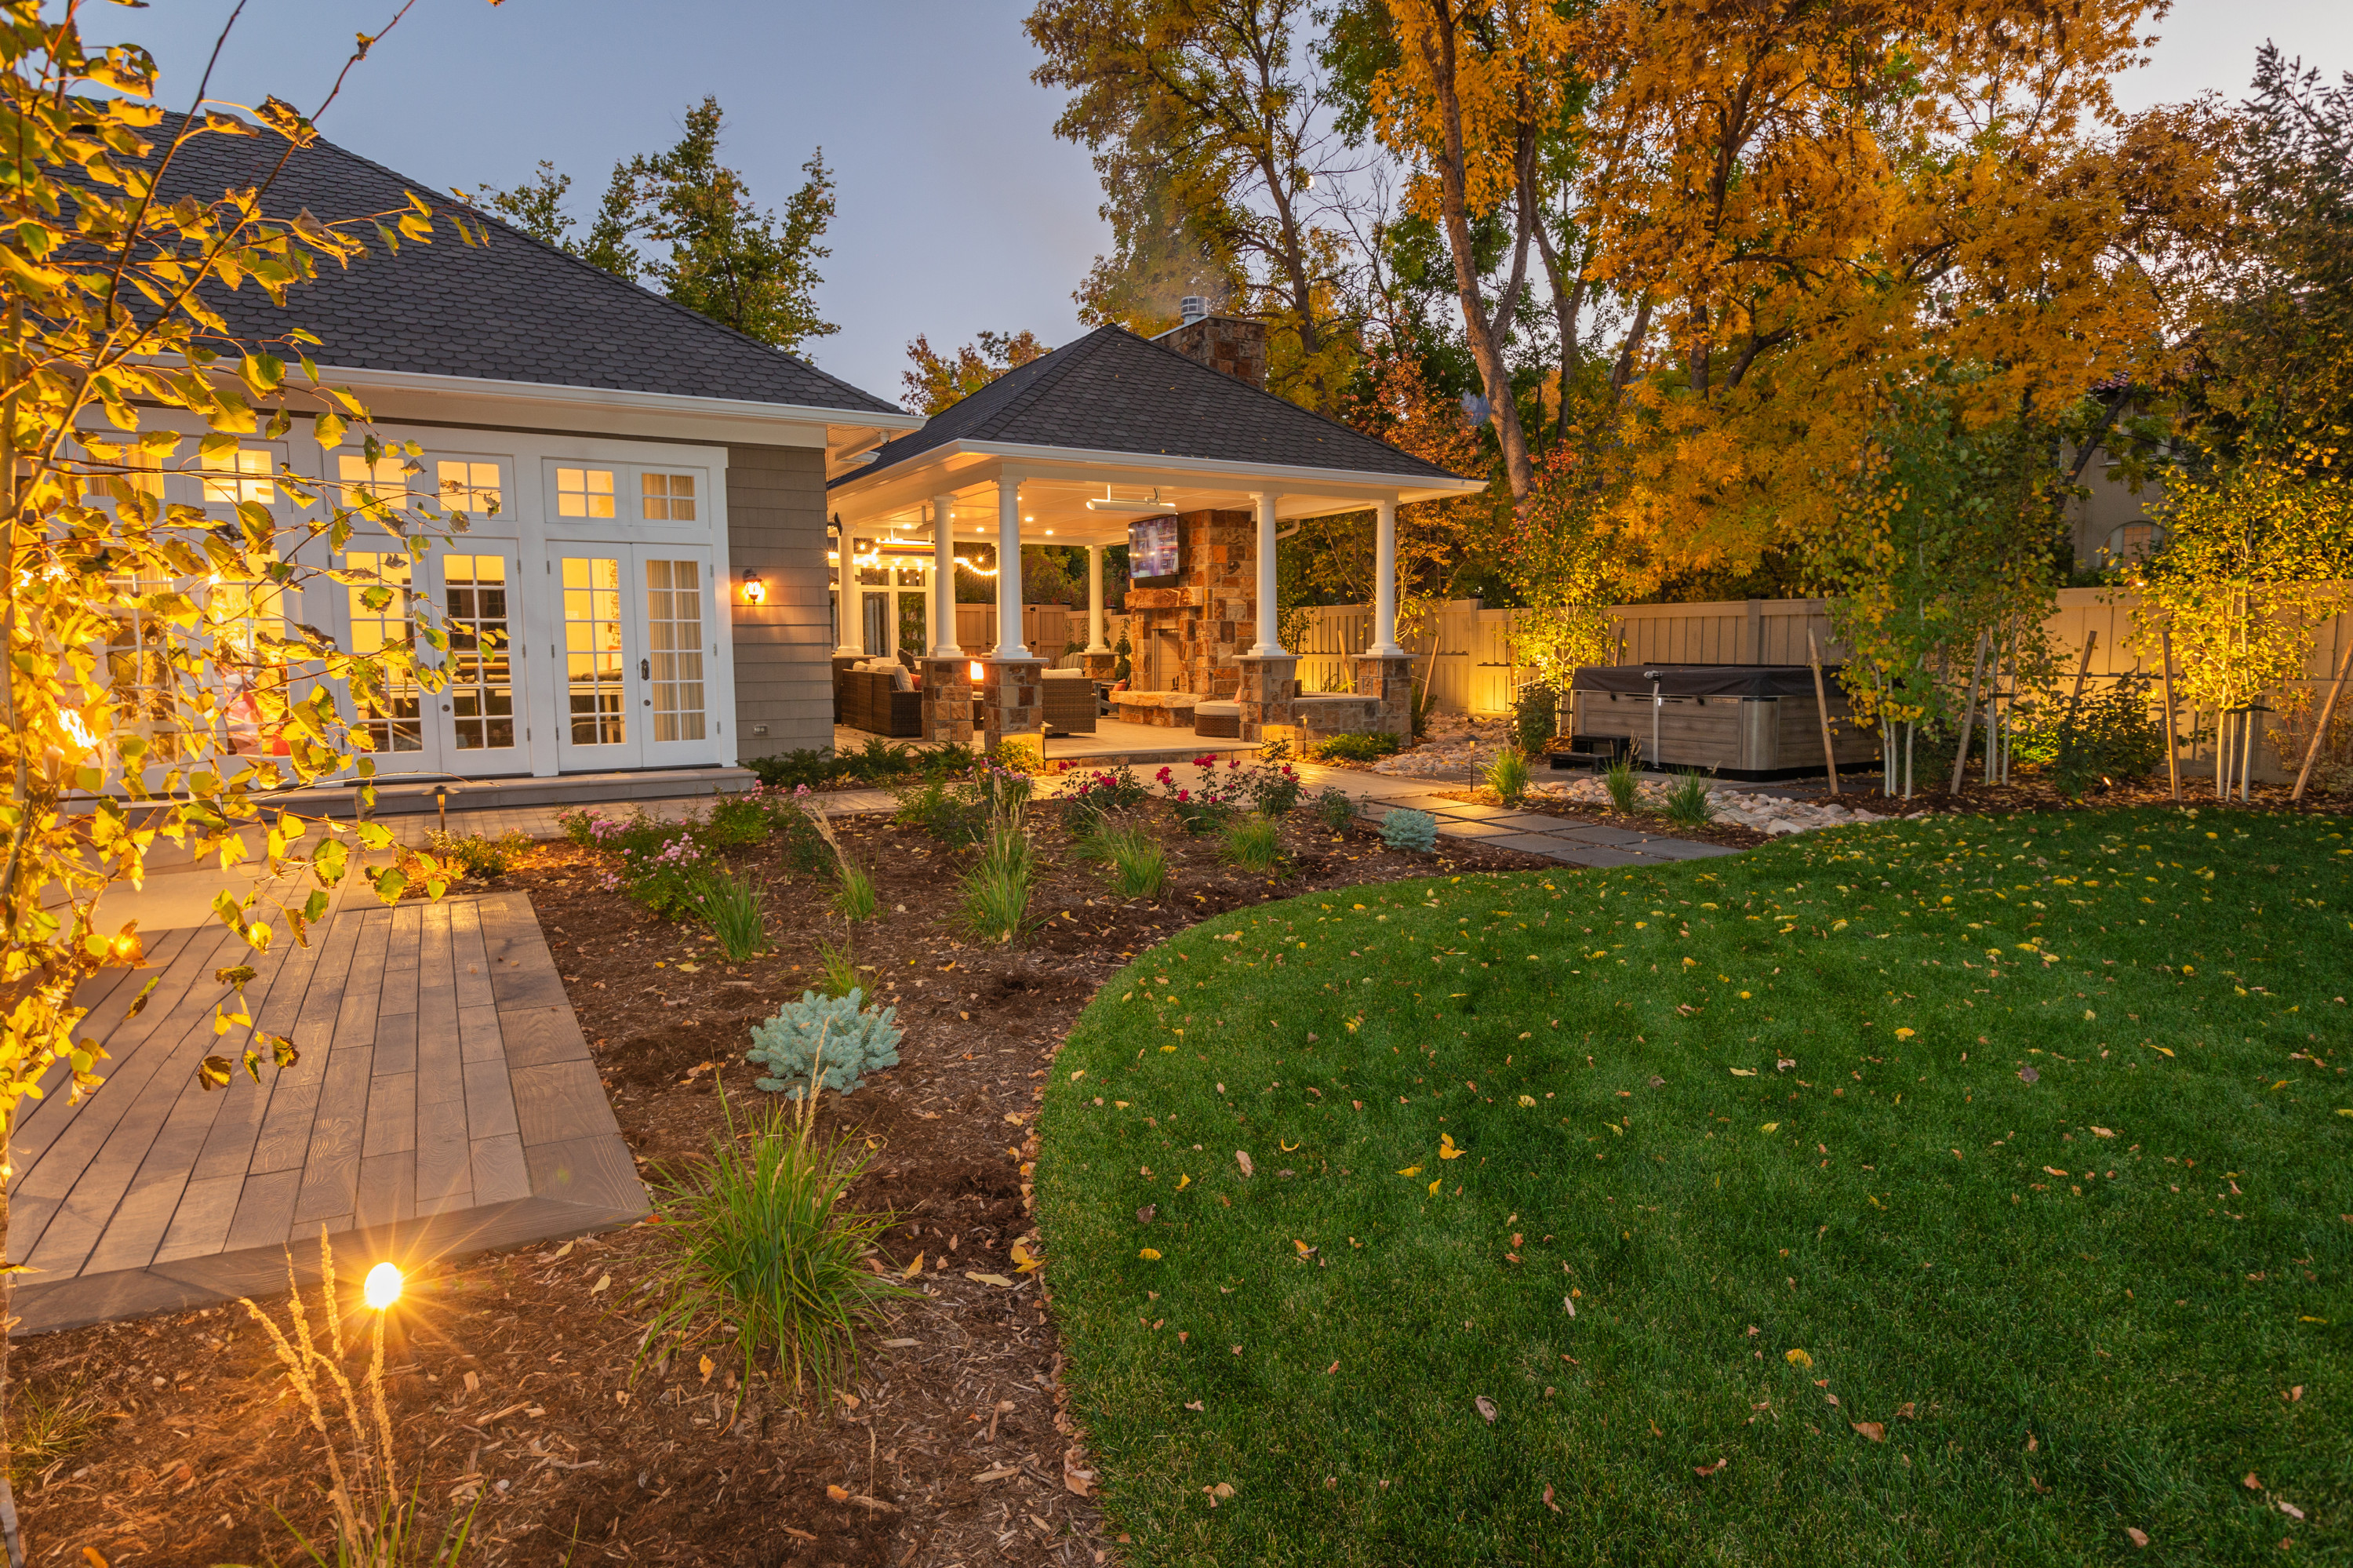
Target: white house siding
(775,526)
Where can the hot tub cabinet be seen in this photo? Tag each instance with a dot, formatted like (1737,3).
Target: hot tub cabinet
(1735,721)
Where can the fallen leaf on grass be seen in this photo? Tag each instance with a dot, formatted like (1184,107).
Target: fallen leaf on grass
(2293,1511)
(2029,1075)
(1743,1071)
(1243,1160)
(1149,1255)
(1143,1215)
(1077,1479)
(1871,1429)
(2102,1132)
(1410,1171)
(1221,1490)
(2138,1537)
(1332,1368)
(2252,1484)
(1486,1408)
(1193,1404)
(1548,1502)
(914,1268)
(1904,1410)
(1770,1127)
(1183,1181)
(1304,1250)
(1797,1359)
(1710,1469)
(1446,1150)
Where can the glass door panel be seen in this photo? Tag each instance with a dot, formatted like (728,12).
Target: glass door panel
(675,666)
(594,726)
(389,715)
(481,695)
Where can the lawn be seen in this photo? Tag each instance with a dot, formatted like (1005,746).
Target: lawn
(1955,1190)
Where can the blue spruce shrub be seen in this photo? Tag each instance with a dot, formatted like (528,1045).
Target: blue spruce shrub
(1409,830)
(854,1043)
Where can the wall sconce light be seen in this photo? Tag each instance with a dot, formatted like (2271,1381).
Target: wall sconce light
(755,591)
(979,674)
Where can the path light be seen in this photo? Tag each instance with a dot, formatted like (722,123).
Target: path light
(977,672)
(382,1287)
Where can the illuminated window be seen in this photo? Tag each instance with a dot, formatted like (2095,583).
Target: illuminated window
(674,639)
(482,684)
(470,487)
(592,649)
(138,657)
(390,711)
(241,476)
(584,493)
(669,496)
(383,482)
(243,616)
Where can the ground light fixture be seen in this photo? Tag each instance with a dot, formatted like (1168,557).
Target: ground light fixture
(382,1286)
(977,672)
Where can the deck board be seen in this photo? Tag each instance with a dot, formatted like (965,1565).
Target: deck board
(444,1101)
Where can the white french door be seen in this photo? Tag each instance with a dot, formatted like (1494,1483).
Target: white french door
(472,726)
(638,642)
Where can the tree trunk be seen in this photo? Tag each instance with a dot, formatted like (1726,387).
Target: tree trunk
(9,1531)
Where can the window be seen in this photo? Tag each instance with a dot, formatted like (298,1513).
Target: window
(592,648)
(584,493)
(669,497)
(382,482)
(138,655)
(481,683)
(470,487)
(674,639)
(241,476)
(390,713)
(243,616)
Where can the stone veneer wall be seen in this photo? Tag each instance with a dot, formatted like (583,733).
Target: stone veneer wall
(1214,610)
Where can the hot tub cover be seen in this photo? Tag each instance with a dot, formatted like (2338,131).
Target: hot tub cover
(1703,680)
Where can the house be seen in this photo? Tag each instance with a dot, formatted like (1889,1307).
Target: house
(1171,445)
(641,585)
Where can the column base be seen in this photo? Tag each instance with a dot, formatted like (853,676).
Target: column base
(1101,666)
(1387,680)
(1265,693)
(1013,704)
(947,700)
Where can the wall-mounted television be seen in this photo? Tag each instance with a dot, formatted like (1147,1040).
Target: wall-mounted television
(1152,553)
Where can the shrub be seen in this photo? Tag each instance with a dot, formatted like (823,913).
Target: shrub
(2114,737)
(1508,775)
(1358,747)
(837,1037)
(1688,802)
(1334,809)
(661,864)
(763,1246)
(1624,783)
(1098,794)
(744,819)
(579,825)
(1406,829)
(801,769)
(879,761)
(997,889)
(735,911)
(1272,784)
(954,814)
(1206,807)
(1254,844)
(477,857)
(1536,713)
(1139,866)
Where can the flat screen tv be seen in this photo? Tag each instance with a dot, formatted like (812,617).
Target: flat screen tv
(1152,552)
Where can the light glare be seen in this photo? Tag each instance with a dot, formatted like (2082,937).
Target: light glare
(382,1286)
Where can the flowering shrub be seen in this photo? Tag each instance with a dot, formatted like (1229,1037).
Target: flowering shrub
(663,872)
(1102,792)
(1272,784)
(1209,805)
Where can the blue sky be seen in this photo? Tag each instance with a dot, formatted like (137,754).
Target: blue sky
(959,210)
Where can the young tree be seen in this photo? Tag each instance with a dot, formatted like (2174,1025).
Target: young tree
(536,207)
(938,382)
(1207,139)
(157,683)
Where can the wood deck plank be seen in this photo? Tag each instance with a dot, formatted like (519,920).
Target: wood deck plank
(387,1190)
(331,1170)
(558,1101)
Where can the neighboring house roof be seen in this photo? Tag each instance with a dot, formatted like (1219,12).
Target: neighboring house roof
(515,309)
(1113,391)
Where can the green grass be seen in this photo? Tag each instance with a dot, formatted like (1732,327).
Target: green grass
(2053,1357)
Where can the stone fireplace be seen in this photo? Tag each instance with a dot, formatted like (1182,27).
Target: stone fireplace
(1187,638)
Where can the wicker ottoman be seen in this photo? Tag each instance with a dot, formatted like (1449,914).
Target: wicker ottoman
(1219,721)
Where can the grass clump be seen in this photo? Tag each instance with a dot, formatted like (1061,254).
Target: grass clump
(1254,844)
(736,911)
(1623,779)
(767,1256)
(995,903)
(1688,804)
(1138,865)
(1740,1172)
(1507,776)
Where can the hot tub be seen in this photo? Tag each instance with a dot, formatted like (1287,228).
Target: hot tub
(1735,721)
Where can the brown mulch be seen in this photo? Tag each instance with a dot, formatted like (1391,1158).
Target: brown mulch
(1724,833)
(513,1372)
(2029,792)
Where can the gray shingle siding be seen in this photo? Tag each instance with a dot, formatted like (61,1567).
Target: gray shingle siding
(775,526)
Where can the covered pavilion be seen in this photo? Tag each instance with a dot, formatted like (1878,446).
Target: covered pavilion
(1073,449)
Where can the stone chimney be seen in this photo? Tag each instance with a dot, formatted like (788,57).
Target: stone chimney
(1230,344)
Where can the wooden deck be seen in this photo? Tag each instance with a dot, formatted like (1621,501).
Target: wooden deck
(445,1102)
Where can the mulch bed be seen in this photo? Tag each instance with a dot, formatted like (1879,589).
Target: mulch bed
(1724,833)
(514,1374)
(2030,792)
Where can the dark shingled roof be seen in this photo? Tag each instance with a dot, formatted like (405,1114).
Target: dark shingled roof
(515,309)
(1113,391)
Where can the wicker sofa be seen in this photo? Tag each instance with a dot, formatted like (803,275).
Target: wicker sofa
(871,700)
(1071,702)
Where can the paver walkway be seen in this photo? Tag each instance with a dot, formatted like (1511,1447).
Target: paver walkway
(445,1102)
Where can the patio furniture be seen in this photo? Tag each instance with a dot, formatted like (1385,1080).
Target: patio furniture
(1070,703)
(881,702)
(1163,710)
(1219,721)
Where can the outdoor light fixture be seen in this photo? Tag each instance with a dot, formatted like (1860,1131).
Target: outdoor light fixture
(754,590)
(382,1287)
(978,673)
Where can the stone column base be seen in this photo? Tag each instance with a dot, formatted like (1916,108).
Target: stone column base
(1265,692)
(947,700)
(1013,704)
(1101,666)
(1387,680)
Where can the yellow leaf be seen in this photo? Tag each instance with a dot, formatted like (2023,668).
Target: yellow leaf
(996,1279)
(602,1282)
(1416,1170)
(1304,1250)
(1183,1181)
(1528,1102)
(838,1494)
(1799,1359)
(1149,1255)
(1770,1127)
(1434,1186)
(1904,1034)
(708,1367)
(914,1268)
(1024,1260)
(1446,1150)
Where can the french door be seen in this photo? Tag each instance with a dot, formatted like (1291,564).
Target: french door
(471,727)
(638,644)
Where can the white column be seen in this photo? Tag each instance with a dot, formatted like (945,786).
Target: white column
(1268,643)
(1385,642)
(944,597)
(1008,570)
(1096,600)
(853,601)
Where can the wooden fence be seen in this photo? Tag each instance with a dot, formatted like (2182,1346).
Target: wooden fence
(1465,654)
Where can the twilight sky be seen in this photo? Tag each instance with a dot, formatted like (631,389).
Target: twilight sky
(958,209)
